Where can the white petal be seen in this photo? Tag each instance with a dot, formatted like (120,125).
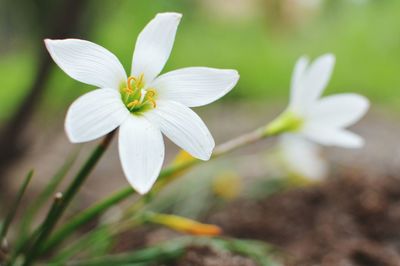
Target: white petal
(154,45)
(310,83)
(141,150)
(87,62)
(318,76)
(195,86)
(297,85)
(303,157)
(332,136)
(340,110)
(184,127)
(95,114)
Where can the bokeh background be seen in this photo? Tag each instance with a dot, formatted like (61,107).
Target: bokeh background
(262,39)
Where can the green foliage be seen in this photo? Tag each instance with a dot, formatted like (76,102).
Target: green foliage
(365,38)
(173,249)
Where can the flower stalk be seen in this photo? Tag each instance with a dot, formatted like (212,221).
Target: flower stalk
(166,176)
(60,205)
(13,210)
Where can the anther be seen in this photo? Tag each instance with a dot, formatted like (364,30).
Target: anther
(128,90)
(130,79)
(153,102)
(132,104)
(151,93)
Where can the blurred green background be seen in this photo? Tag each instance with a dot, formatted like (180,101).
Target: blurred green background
(260,38)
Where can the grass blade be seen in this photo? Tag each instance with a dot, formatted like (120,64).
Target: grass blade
(14,206)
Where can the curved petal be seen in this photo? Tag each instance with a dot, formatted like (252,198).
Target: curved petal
(154,45)
(141,150)
(87,62)
(332,136)
(184,127)
(195,86)
(311,82)
(95,114)
(318,76)
(302,156)
(297,84)
(341,110)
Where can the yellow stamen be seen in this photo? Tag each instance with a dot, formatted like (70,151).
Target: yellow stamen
(151,92)
(128,90)
(129,82)
(139,81)
(133,104)
(135,88)
(150,97)
(153,102)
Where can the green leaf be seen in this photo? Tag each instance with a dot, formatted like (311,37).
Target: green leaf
(45,196)
(14,206)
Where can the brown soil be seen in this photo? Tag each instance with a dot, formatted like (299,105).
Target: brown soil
(345,221)
(204,256)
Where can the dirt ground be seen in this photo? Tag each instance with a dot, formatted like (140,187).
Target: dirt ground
(349,220)
(204,256)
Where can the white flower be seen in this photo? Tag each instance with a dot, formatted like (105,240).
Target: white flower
(302,157)
(144,104)
(322,120)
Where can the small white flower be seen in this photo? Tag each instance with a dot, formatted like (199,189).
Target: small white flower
(322,120)
(302,157)
(144,104)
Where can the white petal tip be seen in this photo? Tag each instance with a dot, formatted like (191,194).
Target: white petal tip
(329,57)
(178,16)
(235,74)
(357,143)
(138,185)
(233,77)
(304,58)
(48,43)
(366,101)
(73,139)
(206,155)
(141,190)
(236,77)
(364,105)
(361,102)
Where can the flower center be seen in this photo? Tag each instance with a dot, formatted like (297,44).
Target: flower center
(136,97)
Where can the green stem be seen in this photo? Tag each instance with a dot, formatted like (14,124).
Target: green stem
(73,188)
(14,207)
(43,197)
(84,217)
(161,253)
(100,207)
(166,176)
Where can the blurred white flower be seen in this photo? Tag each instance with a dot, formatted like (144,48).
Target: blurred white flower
(144,104)
(301,157)
(322,120)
